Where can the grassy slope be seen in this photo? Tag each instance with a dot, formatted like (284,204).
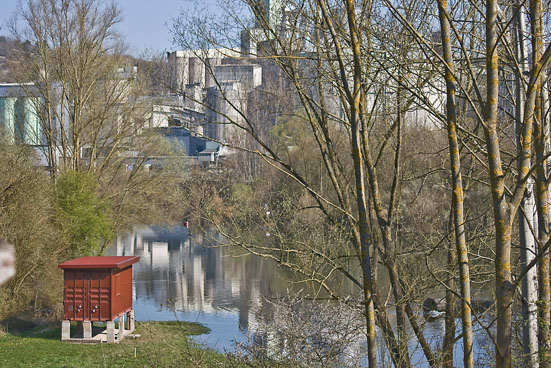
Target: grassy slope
(162,344)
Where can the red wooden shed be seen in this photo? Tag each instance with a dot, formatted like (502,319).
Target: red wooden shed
(97,288)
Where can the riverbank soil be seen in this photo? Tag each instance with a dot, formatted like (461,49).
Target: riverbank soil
(161,344)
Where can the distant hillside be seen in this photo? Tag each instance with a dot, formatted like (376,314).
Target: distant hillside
(4,70)
(7,47)
(154,71)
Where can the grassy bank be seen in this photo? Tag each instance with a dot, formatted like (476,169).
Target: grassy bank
(162,344)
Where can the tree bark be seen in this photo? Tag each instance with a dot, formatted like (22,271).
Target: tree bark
(502,211)
(361,197)
(457,188)
(449,322)
(528,206)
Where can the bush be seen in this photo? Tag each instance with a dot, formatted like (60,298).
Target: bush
(26,207)
(84,219)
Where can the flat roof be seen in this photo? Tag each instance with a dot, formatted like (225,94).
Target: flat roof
(222,52)
(117,262)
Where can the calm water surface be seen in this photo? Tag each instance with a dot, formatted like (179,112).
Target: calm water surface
(181,276)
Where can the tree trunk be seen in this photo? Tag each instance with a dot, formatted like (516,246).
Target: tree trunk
(361,197)
(449,322)
(502,211)
(530,281)
(457,189)
(541,194)
(528,206)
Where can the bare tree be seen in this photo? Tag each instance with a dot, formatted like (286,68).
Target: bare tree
(487,104)
(332,63)
(356,51)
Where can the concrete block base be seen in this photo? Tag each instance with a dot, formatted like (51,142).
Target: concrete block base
(87,333)
(65,330)
(86,329)
(131,323)
(110,330)
(120,335)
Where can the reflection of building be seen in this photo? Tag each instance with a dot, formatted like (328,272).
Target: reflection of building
(182,275)
(180,278)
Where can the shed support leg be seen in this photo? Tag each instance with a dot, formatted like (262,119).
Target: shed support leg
(87,329)
(65,330)
(130,318)
(110,330)
(121,327)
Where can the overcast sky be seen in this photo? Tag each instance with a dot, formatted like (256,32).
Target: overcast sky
(144,24)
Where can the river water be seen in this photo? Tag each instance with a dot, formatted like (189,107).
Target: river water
(181,276)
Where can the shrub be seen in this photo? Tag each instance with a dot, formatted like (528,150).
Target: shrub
(85,220)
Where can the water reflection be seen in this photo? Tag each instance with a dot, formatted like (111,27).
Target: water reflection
(182,277)
(179,277)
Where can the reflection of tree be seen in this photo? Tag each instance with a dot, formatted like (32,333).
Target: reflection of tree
(322,333)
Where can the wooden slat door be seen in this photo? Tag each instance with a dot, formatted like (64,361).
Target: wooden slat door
(99,295)
(75,295)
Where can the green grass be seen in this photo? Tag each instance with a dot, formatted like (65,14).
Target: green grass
(162,344)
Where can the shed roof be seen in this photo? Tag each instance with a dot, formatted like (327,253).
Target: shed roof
(117,262)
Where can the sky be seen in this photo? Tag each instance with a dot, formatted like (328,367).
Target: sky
(144,24)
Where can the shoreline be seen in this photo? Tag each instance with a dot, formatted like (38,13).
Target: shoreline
(160,344)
